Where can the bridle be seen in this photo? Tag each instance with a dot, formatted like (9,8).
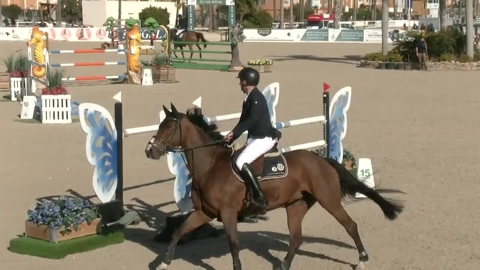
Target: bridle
(167,148)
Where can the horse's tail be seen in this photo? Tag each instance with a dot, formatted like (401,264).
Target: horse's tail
(201,38)
(350,185)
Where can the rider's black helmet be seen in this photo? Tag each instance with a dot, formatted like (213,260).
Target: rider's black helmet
(250,75)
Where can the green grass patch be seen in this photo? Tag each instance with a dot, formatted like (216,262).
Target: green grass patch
(39,248)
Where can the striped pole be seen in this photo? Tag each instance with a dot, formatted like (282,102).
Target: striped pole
(94,78)
(88,64)
(85,51)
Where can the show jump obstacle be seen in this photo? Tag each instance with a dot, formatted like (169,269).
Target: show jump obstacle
(104,146)
(130,55)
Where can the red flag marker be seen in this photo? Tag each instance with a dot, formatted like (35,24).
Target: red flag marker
(325,87)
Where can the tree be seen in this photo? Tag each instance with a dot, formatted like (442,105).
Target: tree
(338,13)
(236,36)
(110,24)
(244,7)
(71,11)
(260,19)
(130,22)
(282,14)
(161,15)
(11,12)
(291,14)
(151,24)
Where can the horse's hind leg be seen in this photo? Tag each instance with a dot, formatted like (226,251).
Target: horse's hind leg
(295,214)
(195,220)
(328,200)
(199,50)
(229,219)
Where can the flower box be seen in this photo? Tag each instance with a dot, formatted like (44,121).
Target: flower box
(56,109)
(163,74)
(268,68)
(43,232)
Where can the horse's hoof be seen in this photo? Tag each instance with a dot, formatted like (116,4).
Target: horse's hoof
(360,266)
(163,266)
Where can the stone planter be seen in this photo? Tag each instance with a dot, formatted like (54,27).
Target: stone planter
(401,66)
(382,65)
(43,232)
(260,69)
(165,74)
(390,65)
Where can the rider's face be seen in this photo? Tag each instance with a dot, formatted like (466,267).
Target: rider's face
(242,85)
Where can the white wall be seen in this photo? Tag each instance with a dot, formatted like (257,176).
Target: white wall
(95,13)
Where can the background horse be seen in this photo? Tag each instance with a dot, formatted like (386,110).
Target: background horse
(187,36)
(217,193)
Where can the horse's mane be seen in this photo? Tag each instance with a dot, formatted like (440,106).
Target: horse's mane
(211,130)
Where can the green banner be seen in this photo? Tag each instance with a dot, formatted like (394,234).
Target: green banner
(231,16)
(350,35)
(315,35)
(191,18)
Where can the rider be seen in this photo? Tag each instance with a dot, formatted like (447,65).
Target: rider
(262,136)
(182,25)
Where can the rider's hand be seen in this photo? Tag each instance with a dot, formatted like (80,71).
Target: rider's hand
(228,137)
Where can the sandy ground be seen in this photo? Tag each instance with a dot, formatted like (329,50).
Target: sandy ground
(416,126)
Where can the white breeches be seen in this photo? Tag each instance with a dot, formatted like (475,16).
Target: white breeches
(254,149)
(180,32)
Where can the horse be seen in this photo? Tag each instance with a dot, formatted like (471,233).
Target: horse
(217,192)
(187,36)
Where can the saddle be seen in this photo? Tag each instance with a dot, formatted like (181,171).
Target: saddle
(272,165)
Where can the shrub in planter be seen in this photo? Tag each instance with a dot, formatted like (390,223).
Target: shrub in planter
(56,219)
(20,67)
(376,56)
(55,84)
(161,70)
(464,58)
(262,65)
(447,57)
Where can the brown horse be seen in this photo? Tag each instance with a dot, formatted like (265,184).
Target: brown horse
(218,193)
(187,36)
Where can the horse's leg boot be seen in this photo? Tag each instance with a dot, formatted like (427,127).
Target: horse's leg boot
(252,182)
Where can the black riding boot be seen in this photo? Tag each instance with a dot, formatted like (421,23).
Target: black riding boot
(252,182)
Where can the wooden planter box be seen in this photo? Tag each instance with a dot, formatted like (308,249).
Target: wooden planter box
(163,74)
(268,68)
(42,232)
(147,50)
(4,80)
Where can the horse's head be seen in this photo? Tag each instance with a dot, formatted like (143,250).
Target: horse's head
(169,134)
(37,36)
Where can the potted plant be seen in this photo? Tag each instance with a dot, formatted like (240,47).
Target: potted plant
(56,102)
(110,25)
(18,77)
(398,60)
(382,63)
(152,25)
(62,219)
(260,64)
(5,76)
(161,71)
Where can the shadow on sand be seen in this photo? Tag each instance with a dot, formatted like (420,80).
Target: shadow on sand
(260,242)
(346,59)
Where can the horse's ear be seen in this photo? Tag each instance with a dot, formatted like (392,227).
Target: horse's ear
(167,112)
(174,110)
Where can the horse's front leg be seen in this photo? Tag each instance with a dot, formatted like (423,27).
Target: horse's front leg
(196,219)
(175,52)
(191,52)
(229,219)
